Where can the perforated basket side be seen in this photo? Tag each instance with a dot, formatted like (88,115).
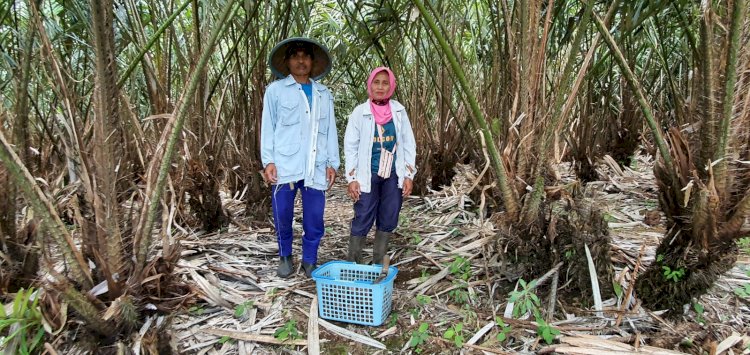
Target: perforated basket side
(346,293)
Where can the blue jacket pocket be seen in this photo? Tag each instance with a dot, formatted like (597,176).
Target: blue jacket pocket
(288,149)
(288,113)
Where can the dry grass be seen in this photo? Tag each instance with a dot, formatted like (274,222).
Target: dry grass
(236,266)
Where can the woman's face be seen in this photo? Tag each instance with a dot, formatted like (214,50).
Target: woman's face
(380,86)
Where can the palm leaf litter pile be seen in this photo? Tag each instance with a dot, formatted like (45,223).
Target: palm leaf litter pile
(454,292)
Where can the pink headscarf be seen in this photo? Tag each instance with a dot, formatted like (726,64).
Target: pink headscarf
(383,112)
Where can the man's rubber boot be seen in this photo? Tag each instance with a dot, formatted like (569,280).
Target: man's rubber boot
(355,249)
(286,267)
(381,246)
(308,268)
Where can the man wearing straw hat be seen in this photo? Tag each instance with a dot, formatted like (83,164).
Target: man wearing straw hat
(299,145)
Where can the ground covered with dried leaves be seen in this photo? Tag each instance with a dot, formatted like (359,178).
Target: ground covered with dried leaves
(451,292)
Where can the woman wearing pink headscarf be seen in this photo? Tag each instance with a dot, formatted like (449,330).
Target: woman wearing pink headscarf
(379,152)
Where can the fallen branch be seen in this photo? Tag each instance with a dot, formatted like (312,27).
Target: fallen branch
(335,329)
(313,332)
(253,337)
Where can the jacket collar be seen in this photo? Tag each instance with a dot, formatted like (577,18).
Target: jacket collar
(289,81)
(395,106)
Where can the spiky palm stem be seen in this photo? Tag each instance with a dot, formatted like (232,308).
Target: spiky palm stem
(168,142)
(510,198)
(45,211)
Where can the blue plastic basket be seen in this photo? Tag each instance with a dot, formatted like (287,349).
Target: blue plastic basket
(346,292)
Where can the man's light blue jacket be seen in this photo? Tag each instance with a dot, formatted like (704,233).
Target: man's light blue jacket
(300,140)
(358,145)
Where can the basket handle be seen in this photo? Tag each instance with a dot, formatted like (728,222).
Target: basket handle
(384,270)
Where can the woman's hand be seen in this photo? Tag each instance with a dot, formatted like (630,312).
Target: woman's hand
(353,190)
(408,184)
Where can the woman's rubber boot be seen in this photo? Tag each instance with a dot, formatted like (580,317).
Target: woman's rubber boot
(355,249)
(381,246)
(308,268)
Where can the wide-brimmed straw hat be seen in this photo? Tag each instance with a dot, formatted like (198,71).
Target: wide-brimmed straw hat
(321,59)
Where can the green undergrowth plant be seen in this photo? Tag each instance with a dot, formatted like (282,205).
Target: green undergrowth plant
(460,294)
(673,274)
(21,329)
(699,311)
(460,267)
(415,312)
(504,329)
(424,275)
(243,308)
(670,273)
(455,333)
(419,337)
(288,331)
(416,238)
(468,313)
(744,290)
(424,300)
(393,321)
(525,301)
(544,329)
(744,244)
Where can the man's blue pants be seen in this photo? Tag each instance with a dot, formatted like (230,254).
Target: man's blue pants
(382,205)
(313,205)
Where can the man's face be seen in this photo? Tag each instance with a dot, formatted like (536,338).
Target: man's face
(300,64)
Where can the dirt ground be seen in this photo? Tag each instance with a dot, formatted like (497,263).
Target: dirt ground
(243,303)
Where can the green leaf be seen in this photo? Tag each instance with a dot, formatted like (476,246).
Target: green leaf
(535,298)
(522,283)
(618,289)
(224,339)
(449,334)
(501,337)
(281,334)
(698,308)
(513,297)
(37,339)
(459,341)
(423,327)
(547,335)
(459,327)
(740,292)
(239,310)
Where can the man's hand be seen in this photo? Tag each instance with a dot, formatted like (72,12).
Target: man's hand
(408,184)
(270,172)
(353,190)
(330,177)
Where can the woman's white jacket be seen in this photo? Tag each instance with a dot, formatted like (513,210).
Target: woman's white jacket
(358,142)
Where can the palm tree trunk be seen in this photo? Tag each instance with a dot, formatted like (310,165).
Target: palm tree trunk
(738,18)
(158,170)
(510,197)
(45,212)
(107,138)
(708,138)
